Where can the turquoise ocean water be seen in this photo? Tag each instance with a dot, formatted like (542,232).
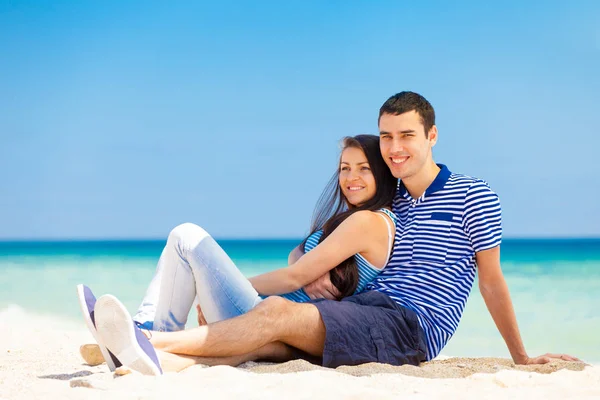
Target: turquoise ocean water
(555,286)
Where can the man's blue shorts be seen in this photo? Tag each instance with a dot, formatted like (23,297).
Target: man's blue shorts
(370,327)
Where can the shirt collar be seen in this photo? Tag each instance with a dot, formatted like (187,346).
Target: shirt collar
(437,184)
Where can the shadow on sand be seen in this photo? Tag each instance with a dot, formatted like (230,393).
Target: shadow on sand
(66,377)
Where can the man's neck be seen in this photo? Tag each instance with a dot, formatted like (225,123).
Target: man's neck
(418,184)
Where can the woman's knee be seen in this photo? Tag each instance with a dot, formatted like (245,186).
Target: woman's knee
(187,233)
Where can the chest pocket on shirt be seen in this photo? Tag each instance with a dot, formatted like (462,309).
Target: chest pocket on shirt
(431,237)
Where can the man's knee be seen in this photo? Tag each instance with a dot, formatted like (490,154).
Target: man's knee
(187,234)
(275,310)
(297,324)
(273,306)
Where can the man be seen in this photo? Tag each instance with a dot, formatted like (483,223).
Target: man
(450,224)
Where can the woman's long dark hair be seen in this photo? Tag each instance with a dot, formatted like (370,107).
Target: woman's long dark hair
(332,207)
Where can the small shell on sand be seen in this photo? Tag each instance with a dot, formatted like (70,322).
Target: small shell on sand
(91,354)
(122,371)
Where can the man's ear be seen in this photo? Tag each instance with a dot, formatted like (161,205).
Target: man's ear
(433,135)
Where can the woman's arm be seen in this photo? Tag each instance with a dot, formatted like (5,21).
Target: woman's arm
(295,254)
(354,235)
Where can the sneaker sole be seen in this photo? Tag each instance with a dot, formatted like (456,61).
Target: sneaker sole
(117,330)
(92,328)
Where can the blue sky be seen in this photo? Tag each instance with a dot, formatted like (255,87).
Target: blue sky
(124,119)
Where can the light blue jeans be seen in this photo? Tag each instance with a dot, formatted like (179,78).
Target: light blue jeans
(193,267)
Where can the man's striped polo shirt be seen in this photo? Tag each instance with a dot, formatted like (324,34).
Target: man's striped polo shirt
(432,268)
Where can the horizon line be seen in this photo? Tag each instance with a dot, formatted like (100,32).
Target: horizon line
(247,239)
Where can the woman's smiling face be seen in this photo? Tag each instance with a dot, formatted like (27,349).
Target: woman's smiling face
(355,177)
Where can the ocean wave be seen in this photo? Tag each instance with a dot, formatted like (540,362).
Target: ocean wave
(15,314)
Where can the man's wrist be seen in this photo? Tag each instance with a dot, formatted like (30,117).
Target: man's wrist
(521,358)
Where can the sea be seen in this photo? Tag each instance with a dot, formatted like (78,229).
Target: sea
(554,285)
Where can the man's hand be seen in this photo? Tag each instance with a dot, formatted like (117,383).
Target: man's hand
(546,358)
(322,288)
(201,319)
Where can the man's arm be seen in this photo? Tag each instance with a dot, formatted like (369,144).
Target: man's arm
(497,299)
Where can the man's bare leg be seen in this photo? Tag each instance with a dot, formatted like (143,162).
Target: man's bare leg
(273,320)
(276,352)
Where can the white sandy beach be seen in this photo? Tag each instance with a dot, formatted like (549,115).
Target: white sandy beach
(39,358)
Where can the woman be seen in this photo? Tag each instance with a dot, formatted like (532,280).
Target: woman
(353,208)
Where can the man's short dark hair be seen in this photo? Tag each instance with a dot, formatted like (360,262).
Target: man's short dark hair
(404,102)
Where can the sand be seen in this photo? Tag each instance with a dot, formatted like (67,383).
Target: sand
(39,358)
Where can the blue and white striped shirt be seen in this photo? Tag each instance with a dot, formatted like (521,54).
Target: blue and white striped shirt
(432,268)
(366,271)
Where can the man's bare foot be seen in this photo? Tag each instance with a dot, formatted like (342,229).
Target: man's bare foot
(173,362)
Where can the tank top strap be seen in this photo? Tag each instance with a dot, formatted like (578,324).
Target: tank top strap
(391,230)
(390,214)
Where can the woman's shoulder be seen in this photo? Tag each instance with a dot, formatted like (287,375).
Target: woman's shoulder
(365,218)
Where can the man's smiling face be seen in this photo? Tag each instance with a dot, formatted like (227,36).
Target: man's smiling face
(404,146)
